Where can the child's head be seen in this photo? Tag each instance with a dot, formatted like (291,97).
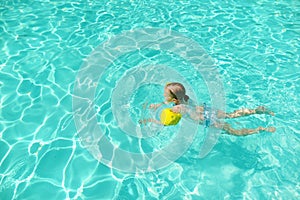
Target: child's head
(175,92)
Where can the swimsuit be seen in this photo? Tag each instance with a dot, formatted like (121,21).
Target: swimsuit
(209,116)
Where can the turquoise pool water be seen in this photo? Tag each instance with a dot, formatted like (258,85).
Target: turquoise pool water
(255,46)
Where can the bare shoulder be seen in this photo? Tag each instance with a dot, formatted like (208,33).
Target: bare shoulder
(181,108)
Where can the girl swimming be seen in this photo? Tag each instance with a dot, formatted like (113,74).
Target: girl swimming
(175,93)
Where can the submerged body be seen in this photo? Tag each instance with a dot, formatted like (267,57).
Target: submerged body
(175,93)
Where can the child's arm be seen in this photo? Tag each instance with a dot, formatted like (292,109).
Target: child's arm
(155,106)
(150,120)
(182,109)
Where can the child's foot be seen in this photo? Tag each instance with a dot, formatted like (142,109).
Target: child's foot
(271,129)
(263,110)
(268,129)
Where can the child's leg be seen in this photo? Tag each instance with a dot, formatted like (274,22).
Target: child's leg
(244,112)
(243,132)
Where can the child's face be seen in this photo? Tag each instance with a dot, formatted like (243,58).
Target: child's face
(168,96)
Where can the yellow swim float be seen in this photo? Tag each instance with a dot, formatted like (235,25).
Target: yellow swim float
(168,117)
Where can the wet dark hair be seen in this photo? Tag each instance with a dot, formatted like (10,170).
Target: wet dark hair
(176,89)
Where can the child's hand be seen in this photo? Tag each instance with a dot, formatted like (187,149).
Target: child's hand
(143,121)
(154,106)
